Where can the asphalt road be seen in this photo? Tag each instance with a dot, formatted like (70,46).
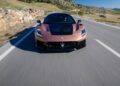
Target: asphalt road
(98,64)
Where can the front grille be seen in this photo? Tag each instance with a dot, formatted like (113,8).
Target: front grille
(58,44)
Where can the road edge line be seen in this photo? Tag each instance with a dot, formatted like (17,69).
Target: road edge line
(108,25)
(108,48)
(3,55)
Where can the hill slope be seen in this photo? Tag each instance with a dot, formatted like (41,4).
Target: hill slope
(15,4)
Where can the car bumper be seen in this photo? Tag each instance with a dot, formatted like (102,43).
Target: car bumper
(67,42)
(64,44)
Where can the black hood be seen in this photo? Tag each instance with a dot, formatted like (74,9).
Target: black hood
(61,29)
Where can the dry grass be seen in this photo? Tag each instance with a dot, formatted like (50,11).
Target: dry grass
(110,18)
(15,4)
(5,36)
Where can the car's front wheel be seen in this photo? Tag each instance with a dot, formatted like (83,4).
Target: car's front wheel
(81,44)
(40,45)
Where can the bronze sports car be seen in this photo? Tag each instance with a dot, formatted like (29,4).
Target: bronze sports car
(60,30)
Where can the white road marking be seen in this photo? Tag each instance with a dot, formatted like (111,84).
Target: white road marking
(108,48)
(116,27)
(13,47)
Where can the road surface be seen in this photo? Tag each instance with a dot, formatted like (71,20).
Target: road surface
(98,64)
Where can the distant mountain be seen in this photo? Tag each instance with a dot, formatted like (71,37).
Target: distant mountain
(118,9)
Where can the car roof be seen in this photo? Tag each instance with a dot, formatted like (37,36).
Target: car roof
(60,13)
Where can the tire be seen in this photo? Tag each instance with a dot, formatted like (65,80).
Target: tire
(81,44)
(41,46)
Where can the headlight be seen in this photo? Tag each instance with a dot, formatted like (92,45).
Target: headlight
(83,31)
(38,32)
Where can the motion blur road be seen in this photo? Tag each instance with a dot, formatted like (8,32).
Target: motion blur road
(98,64)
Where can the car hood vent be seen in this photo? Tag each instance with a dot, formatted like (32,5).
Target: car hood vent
(61,29)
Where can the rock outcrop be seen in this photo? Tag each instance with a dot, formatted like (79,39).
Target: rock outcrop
(14,21)
(11,18)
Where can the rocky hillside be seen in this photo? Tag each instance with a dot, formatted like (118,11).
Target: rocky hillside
(12,18)
(16,15)
(13,21)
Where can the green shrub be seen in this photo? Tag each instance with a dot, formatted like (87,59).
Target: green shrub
(80,13)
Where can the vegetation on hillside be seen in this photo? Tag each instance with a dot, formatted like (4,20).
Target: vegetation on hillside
(55,5)
(63,4)
(19,5)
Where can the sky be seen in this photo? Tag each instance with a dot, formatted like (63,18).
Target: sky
(100,3)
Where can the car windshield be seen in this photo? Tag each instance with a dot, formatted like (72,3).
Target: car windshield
(59,18)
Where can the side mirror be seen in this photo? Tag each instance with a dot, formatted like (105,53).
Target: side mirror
(39,22)
(79,21)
